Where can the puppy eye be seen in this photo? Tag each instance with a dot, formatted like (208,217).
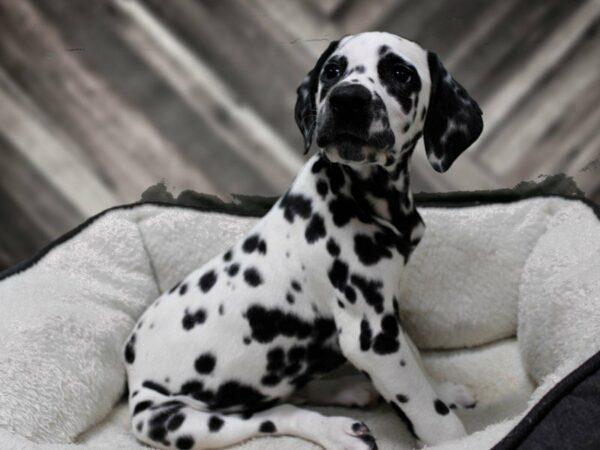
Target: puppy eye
(332,71)
(402,74)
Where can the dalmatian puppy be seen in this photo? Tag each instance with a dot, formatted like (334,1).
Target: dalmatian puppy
(223,355)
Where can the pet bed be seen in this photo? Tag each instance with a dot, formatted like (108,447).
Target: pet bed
(502,295)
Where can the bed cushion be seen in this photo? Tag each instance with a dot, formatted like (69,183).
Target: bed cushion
(482,273)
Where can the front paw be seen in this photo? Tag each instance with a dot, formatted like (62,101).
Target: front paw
(342,433)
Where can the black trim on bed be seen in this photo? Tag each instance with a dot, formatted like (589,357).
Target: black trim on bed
(257,206)
(566,418)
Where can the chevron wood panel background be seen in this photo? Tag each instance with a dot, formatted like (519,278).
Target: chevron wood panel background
(101,99)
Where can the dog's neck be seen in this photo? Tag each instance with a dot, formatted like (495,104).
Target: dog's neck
(381,195)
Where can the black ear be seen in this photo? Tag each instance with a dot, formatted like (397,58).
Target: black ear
(306,103)
(453,118)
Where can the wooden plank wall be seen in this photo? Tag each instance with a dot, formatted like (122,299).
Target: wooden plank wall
(99,100)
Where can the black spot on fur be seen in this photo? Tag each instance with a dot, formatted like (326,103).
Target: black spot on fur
(215,423)
(366,335)
(403,89)
(267,427)
(336,177)
(369,440)
(267,324)
(228,255)
(386,341)
(275,359)
(404,418)
(290,298)
(251,243)
(350,294)
(315,229)
(296,353)
(129,352)
(233,393)
(440,407)
(319,165)
(142,406)
(369,251)
(370,290)
(402,398)
(221,309)
(324,328)
(295,205)
(338,274)
(189,321)
(340,304)
(233,269)
(207,281)
(184,442)
(156,387)
(205,363)
(322,188)
(183,289)
(332,247)
(196,389)
(296,286)
(158,431)
(270,380)
(175,422)
(343,209)
(252,277)
(262,247)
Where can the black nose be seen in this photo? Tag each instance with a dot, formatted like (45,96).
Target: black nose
(350,98)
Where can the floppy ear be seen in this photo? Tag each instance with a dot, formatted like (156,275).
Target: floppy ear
(306,103)
(453,120)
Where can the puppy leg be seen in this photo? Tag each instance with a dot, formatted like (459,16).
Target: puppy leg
(377,346)
(352,391)
(455,395)
(173,424)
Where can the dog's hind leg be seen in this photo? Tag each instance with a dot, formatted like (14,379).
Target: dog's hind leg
(172,423)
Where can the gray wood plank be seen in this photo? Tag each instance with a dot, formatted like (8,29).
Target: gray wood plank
(183,133)
(264,71)
(32,212)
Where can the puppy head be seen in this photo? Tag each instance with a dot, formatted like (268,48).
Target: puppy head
(371,96)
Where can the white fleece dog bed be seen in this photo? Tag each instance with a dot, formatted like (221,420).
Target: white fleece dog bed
(482,275)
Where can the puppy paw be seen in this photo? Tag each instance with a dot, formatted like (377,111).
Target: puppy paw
(347,434)
(456,395)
